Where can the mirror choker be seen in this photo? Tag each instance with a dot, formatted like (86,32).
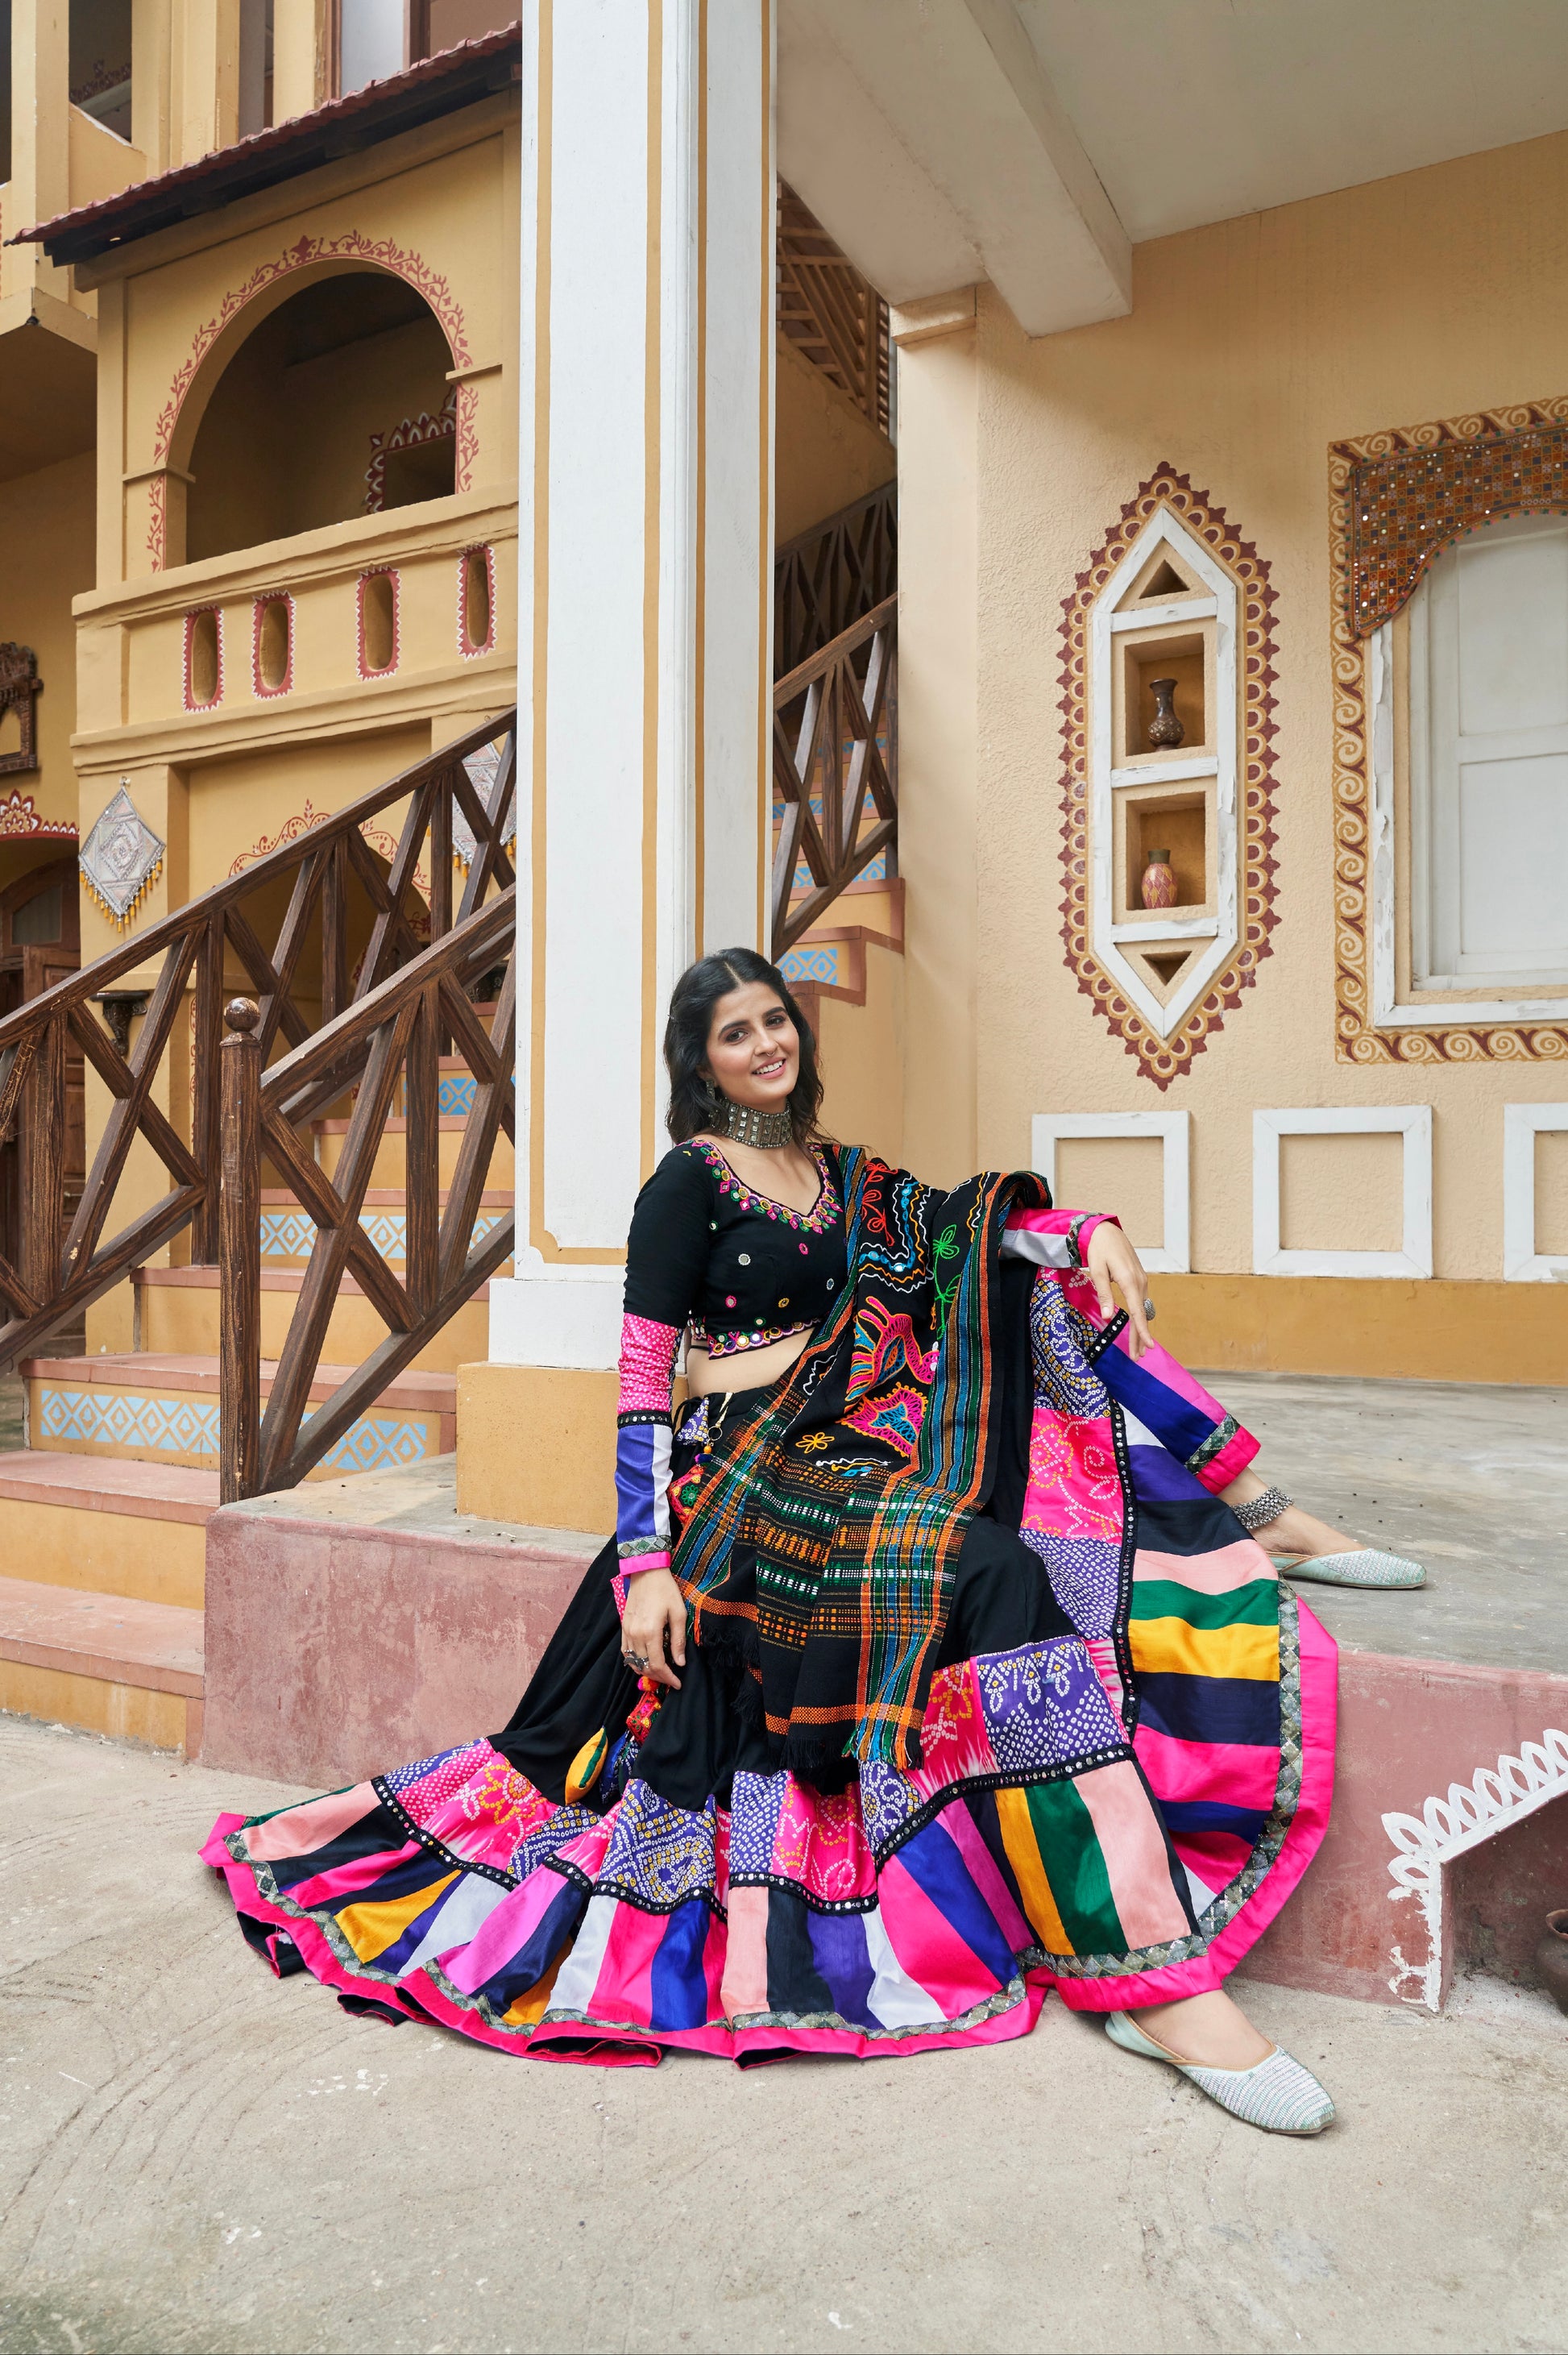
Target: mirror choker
(749,1126)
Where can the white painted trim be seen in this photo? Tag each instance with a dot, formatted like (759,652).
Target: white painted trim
(1389,1013)
(1146,617)
(1164,530)
(1173,1257)
(550,1315)
(1446,1829)
(1168,928)
(1412,1122)
(1522,1124)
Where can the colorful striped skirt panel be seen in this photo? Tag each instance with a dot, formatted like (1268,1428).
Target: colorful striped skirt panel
(1116,1813)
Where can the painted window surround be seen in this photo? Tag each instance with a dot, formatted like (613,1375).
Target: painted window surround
(469,646)
(1106,776)
(1522,1124)
(263,693)
(379,572)
(1174,1255)
(1412,1122)
(187,693)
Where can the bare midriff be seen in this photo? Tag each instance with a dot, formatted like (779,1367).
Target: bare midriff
(748,1369)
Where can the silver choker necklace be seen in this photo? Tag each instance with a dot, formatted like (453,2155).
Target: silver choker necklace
(747,1127)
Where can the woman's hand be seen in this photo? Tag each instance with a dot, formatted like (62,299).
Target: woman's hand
(1111,1259)
(655,1608)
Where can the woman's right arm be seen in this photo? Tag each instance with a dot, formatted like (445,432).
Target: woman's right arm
(666,1259)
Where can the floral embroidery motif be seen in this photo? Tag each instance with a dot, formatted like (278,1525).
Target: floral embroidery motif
(818,1221)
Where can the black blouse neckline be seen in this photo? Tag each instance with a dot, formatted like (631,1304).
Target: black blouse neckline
(822,1214)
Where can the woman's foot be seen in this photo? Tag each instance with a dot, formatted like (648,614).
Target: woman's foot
(1303,1534)
(1293,1531)
(1274,2092)
(1210,2031)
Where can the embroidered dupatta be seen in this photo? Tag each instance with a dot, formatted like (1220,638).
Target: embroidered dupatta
(827,1567)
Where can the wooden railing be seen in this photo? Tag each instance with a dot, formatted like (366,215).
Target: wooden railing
(830,313)
(829,576)
(835,732)
(392,1034)
(289,926)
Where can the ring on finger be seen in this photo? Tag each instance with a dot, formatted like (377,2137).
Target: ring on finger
(634,1660)
(1149,1310)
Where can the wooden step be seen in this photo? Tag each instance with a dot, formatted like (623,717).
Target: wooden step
(104,1662)
(161,1407)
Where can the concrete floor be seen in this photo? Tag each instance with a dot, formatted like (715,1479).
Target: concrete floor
(195,2156)
(1470,1479)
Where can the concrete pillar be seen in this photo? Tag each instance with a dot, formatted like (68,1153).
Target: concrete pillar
(645,542)
(938,727)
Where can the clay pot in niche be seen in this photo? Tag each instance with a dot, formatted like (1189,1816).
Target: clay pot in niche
(1157,889)
(1551,1957)
(1165,730)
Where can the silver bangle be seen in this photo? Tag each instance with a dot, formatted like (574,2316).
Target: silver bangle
(1262,1509)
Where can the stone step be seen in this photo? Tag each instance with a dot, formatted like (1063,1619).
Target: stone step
(161,1407)
(105,1524)
(105,1662)
(177,1313)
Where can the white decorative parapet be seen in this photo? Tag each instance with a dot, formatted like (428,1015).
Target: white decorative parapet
(1446,1829)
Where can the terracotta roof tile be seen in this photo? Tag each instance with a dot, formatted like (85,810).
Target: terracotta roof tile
(436,86)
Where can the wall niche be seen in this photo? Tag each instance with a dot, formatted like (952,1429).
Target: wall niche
(1164,718)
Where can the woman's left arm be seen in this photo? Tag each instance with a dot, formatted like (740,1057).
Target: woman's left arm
(1093,1240)
(1110,1260)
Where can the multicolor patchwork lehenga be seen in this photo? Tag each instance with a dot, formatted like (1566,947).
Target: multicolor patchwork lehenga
(987,1692)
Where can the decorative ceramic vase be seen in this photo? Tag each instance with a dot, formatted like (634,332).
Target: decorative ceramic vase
(1165,730)
(1159,885)
(1552,1959)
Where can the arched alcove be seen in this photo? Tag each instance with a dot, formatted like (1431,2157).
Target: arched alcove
(305,402)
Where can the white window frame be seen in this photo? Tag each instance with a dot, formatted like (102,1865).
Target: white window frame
(1221,932)
(1522,1124)
(1448,1000)
(1412,1122)
(1173,1256)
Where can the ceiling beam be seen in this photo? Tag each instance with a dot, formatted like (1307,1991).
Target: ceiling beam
(931,144)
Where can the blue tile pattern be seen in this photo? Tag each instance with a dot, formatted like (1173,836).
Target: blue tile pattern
(812,960)
(175,1426)
(292,1234)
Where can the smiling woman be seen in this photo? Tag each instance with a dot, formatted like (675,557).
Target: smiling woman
(928,1668)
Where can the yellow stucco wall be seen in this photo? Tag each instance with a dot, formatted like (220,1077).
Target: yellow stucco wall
(1251,346)
(825,453)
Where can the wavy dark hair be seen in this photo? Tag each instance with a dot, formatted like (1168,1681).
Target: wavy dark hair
(695,1102)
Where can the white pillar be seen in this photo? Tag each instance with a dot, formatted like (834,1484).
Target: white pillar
(645,547)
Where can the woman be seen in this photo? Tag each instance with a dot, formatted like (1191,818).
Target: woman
(932,1664)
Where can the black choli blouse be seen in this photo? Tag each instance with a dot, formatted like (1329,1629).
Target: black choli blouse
(730,1269)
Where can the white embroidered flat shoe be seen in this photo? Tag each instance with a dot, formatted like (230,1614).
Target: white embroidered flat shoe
(1365,1566)
(1276,2093)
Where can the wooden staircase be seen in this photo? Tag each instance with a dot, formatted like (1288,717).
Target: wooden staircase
(340,1180)
(103,1510)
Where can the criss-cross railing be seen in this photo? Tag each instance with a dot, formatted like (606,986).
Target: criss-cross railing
(386,1045)
(827,578)
(314,929)
(835,734)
